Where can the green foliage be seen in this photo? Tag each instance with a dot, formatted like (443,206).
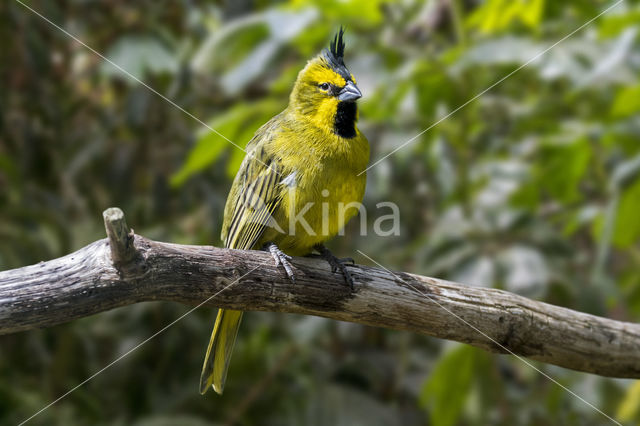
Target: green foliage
(613,24)
(533,187)
(498,15)
(447,389)
(627,102)
(363,12)
(562,169)
(140,56)
(239,123)
(629,409)
(627,229)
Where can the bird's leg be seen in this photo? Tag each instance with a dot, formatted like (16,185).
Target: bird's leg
(281,259)
(336,263)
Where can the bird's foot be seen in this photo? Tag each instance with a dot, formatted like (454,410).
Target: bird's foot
(281,259)
(337,264)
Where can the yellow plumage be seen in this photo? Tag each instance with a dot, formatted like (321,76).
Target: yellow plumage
(308,155)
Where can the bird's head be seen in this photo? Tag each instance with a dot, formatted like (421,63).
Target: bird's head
(325,91)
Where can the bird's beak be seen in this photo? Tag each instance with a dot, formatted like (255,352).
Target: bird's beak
(350,92)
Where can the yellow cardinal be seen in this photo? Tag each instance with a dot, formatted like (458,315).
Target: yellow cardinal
(289,196)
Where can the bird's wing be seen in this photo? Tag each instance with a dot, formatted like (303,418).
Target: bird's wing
(254,196)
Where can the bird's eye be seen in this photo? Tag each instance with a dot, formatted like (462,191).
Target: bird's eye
(324,86)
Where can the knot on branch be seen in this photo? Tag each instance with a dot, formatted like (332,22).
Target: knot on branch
(123,252)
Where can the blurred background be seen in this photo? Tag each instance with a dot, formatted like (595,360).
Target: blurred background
(533,188)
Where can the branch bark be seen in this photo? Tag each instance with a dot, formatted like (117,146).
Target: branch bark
(126,268)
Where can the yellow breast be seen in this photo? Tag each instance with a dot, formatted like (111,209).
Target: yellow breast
(321,191)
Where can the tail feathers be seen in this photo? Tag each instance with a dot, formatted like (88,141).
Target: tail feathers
(218,357)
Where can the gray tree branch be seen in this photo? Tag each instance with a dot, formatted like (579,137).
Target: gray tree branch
(126,268)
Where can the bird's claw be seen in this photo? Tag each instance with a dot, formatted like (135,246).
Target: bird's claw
(337,264)
(281,258)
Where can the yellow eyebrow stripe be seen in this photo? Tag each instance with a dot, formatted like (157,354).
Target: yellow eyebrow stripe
(326,75)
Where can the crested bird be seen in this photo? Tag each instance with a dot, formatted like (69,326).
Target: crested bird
(300,170)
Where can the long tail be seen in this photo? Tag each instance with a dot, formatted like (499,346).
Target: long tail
(216,361)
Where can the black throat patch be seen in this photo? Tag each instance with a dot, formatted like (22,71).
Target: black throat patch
(345,121)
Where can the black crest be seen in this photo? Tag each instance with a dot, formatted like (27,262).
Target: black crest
(335,55)
(337,46)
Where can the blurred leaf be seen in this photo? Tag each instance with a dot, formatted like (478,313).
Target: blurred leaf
(562,166)
(365,12)
(579,60)
(629,284)
(139,55)
(479,271)
(238,124)
(432,88)
(445,392)
(582,217)
(243,51)
(627,102)
(500,180)
(230,44)
(612,24)
(497,15)
(625,172)
(526,271)
(608,66)
(627,225)
(503,50)
(629,408)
